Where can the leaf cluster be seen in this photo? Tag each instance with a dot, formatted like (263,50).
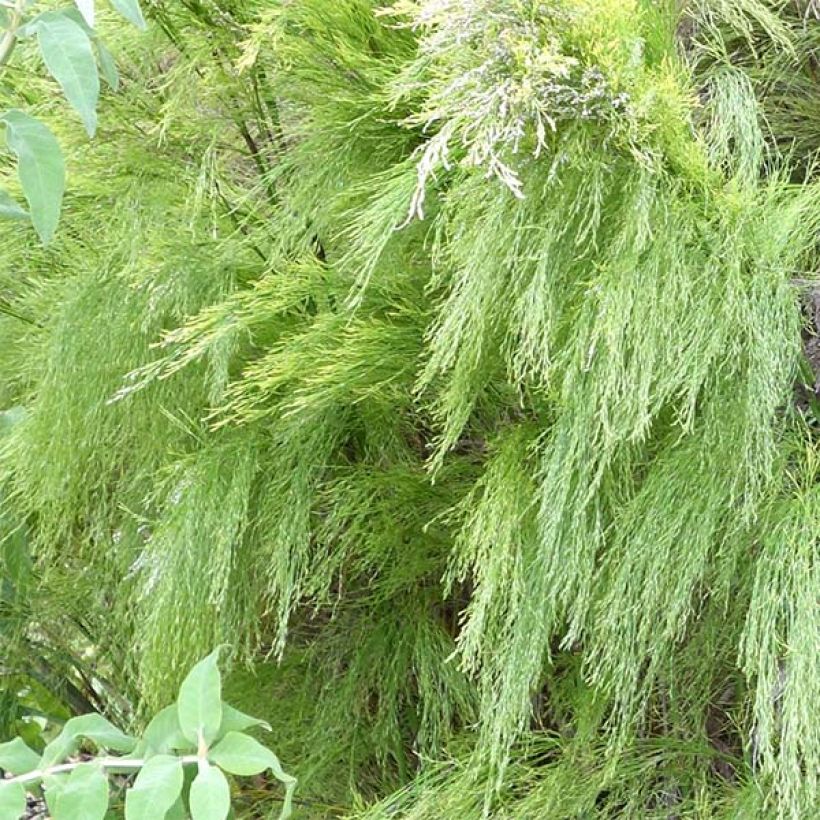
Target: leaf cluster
(199,729)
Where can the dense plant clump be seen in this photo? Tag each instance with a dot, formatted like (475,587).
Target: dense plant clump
(452,364)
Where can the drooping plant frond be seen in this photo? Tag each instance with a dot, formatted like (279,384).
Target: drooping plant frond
(440,358)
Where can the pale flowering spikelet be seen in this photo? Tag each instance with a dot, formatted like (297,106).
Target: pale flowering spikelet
(498,78)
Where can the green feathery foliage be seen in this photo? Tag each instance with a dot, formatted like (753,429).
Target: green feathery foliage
(441,360)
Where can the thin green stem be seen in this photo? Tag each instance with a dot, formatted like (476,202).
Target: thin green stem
(10,37)
(112,764)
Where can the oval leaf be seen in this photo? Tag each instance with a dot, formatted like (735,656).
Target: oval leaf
(9,209)
(54,785)
(131,11)
(86,8)
(94,727)
(163,734)
(108,66)
(12,800)
(178,811)
(84,796)
(40,167)
(17,758)
(210,795)
(31,26)
(235,721)
(69,56)
(199,706)
(156,789)
(240,754)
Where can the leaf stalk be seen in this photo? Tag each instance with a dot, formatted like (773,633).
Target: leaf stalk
(111,764)
(10,37)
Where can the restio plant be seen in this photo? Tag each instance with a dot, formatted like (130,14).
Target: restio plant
(199,735)
(75,57)
(454,365)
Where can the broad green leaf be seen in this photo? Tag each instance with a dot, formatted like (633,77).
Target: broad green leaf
(72,14)
(235,721)
(199,706)
(130,10)
(94,727)
(243,755)
(32,25)
(12,800)
(54,788)
(40,167)
(156,789)
(17,758)
(210,797)
(9,209)
(177,811)
(68,55)
(163,734)
(86,8)
(108,66)
(240,754)
(84,796)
